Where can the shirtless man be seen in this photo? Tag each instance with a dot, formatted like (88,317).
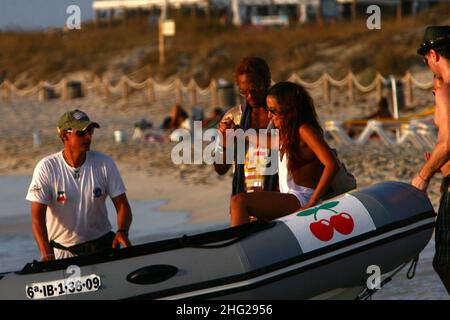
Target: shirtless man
(436,52)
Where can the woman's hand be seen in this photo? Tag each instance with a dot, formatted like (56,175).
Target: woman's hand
(227,123)
(311,203)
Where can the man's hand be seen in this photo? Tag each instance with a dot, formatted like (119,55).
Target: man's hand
(420,183)
(124,218)
(48,257)
(122,239)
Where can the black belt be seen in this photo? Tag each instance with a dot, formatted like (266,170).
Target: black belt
(103,243)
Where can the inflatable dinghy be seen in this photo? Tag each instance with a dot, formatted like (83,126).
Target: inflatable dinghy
(318,253)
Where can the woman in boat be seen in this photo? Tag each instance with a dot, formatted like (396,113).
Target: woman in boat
(306,164)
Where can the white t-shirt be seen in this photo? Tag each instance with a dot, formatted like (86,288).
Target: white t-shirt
(75,198)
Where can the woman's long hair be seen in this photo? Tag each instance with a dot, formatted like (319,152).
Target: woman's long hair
(297,108)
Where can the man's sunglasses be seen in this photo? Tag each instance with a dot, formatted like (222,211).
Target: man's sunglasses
(82,133)
(252,91)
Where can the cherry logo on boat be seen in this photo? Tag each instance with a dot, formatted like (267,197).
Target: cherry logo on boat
(343,223)
(323,229)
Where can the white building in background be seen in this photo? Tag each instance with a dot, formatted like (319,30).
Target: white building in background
(242,11)
(272,12)
(145,4)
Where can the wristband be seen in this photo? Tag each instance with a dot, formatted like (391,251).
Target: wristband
(125,232)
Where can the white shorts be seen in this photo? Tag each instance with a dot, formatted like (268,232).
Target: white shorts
(303,194)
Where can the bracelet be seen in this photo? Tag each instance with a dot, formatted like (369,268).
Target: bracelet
(125,232)
(425,180)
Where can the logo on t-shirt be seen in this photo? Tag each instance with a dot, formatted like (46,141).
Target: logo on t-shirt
(97,193)
(61,196)
(35,189)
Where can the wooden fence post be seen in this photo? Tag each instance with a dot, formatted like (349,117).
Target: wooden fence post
(5,90)
(106,90)
(213,89)
(64,95)
(151,90)
(351,87)
(379,86)
(125,89)
(192,93)
(408,89)
(326,88)
(41,91)
(178,91)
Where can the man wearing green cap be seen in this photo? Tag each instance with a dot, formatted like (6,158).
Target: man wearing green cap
(436,52)
(68,193)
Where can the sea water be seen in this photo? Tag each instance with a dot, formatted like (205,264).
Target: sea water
(18,245)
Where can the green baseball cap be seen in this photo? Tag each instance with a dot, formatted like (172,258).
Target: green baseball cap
(75,120)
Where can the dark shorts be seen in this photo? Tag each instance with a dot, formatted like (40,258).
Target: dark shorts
(441,261)
(442,231)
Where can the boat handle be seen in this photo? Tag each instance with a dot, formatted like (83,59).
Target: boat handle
(152,274)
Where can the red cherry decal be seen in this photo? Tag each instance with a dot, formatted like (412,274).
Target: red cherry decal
(322,230)
(343,223)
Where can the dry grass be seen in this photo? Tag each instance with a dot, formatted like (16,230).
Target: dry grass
(203,48)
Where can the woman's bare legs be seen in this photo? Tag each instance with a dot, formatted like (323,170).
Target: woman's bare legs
(265,205)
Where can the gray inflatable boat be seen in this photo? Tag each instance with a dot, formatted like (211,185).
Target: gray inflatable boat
(319,253)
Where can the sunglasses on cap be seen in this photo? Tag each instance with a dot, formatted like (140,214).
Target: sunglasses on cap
(82,133)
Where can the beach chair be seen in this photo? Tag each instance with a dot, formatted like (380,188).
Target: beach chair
(414,128)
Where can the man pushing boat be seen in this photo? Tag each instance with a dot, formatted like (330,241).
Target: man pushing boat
(68,192)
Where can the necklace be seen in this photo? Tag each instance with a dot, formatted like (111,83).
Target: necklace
(76,171)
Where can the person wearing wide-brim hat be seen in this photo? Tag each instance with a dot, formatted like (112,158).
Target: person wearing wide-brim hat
(436,52)
(68,192)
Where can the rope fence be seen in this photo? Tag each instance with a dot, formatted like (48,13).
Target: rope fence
(104,87)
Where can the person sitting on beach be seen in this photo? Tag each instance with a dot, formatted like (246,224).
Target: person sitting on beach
(253,78)
(68,192)
(382,112)
(214,118)
(306,164)
(178,118)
